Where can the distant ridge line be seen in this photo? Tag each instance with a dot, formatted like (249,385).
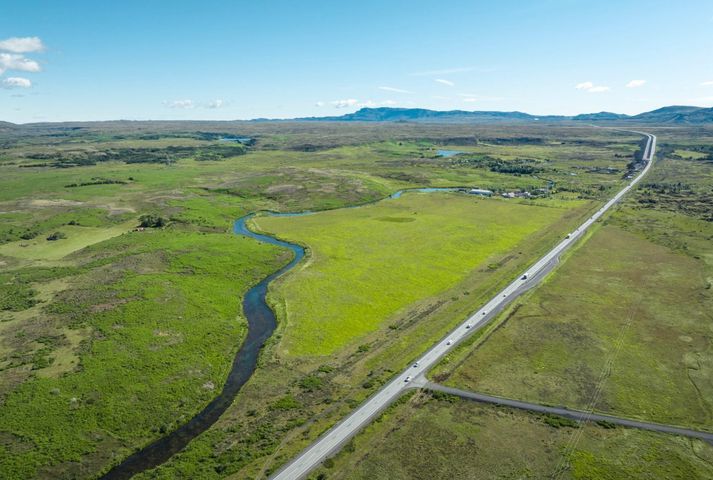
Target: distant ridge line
(675,114)
(671,114)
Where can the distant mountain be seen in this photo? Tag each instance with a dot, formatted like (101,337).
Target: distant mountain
(676,114)
(673,114)
(593,117)
(386,114)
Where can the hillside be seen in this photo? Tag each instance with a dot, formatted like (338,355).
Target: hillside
(676,114)
(672,114)
(386,114)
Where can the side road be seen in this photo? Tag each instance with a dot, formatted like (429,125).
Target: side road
(577,415)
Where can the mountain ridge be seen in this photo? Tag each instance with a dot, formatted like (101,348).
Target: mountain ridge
(669,114)
(673,114)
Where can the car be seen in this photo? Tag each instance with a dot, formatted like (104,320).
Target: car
(484,312)
(468,325)
(505,295)
(449,342)
(407,379)
(524,277)
(569,235)
(415,365)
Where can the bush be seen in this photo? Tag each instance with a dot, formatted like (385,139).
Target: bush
(56,236)
(559,422)
(288,402)
(16,297)
(152,221)
(311,383)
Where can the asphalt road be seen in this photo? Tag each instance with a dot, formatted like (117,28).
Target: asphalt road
(569,413)
(333,439)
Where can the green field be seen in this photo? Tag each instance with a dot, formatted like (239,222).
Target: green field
(111,337)
(141,310)
(369,263)
(608,332)
(623,326)
(450,438)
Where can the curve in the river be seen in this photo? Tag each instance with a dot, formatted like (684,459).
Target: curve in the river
(261,324)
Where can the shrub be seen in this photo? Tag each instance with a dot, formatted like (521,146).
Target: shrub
(56,236)
(16,297)
(311,383)
(152,221)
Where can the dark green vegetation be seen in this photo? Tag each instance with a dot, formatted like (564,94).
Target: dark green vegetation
(428,438)
(111,337)
(624,326)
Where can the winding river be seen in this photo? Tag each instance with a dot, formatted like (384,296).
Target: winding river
(261,323)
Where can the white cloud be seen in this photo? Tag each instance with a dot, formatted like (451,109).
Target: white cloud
(470,100)
(349,102)
(16,82)
(217,103)
(388,103)
(319,104)
(393,89)
(179,104)
(440,97)
(590,87)
(12,61)
(635,83)
(22,44)
(709,83)
(445,82)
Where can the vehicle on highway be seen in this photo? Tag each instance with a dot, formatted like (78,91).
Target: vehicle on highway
(449,342)
(569,235)
(468,326)
(524,277)
(415,365)
(408,379)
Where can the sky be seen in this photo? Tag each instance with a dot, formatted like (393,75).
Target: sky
(236,59)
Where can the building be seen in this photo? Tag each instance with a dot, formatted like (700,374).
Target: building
(480,191)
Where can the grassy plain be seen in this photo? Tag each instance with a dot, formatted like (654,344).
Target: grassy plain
(608,332)
(110,339)
(624,325)
(134,345)
(447,437)
(369,263)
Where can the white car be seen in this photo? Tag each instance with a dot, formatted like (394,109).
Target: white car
(468,326)
(415,365)
(408,379)
(449,342)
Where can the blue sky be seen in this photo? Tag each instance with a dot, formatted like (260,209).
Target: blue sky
(89,60)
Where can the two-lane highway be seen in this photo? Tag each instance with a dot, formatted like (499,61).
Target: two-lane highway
(334,438)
